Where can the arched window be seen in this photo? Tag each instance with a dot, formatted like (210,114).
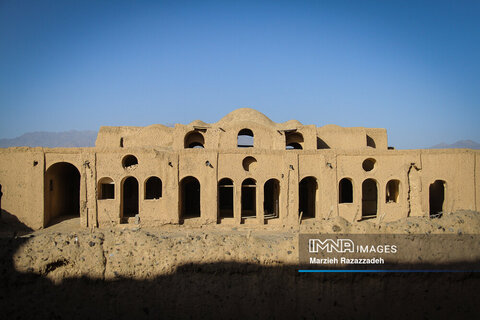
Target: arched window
(368,164)
(153,188)
(293,140)
(345,191)
(245,138)
(194,139)
(106,189)
(129,161)
(249,163)
(392,191)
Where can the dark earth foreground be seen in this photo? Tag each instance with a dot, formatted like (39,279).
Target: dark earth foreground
(180,272)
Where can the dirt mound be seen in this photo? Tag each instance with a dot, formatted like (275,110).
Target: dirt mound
(183,272)
(461,222)
(140,253)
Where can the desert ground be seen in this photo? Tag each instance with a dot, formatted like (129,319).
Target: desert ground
(182,271)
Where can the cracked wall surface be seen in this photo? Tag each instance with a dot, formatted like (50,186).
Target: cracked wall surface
(160,152)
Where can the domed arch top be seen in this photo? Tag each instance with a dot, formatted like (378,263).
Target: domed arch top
(246,115)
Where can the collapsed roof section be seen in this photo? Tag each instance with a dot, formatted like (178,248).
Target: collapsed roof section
(225,134)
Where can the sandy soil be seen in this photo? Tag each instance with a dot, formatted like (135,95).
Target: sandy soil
(187,267)
(133,251)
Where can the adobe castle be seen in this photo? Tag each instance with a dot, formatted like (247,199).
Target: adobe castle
(244,169)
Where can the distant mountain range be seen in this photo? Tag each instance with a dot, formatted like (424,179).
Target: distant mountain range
(67,139)
(73,138)
(462,144)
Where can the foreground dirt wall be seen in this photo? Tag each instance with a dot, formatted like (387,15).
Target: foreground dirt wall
(181,272)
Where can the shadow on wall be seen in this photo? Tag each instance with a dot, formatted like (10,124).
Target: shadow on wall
(236,290)
(11,226)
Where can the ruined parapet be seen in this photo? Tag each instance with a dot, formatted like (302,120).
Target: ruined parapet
(242,170)
(243,126)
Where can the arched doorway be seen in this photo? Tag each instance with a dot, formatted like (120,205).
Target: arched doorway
(61,193)
(369,199)
(189,198)
(307,193)
(436,197)
(249,202)
(225,198)
(129,198)
(345,191)
(271,194)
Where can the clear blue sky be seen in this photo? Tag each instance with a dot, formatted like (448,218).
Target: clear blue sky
(412,67)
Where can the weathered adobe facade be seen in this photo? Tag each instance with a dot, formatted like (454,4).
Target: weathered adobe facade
(244,169)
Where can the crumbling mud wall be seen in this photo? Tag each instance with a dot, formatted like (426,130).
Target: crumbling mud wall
(27,194)
(244,169)
(21,178)
(180,272)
